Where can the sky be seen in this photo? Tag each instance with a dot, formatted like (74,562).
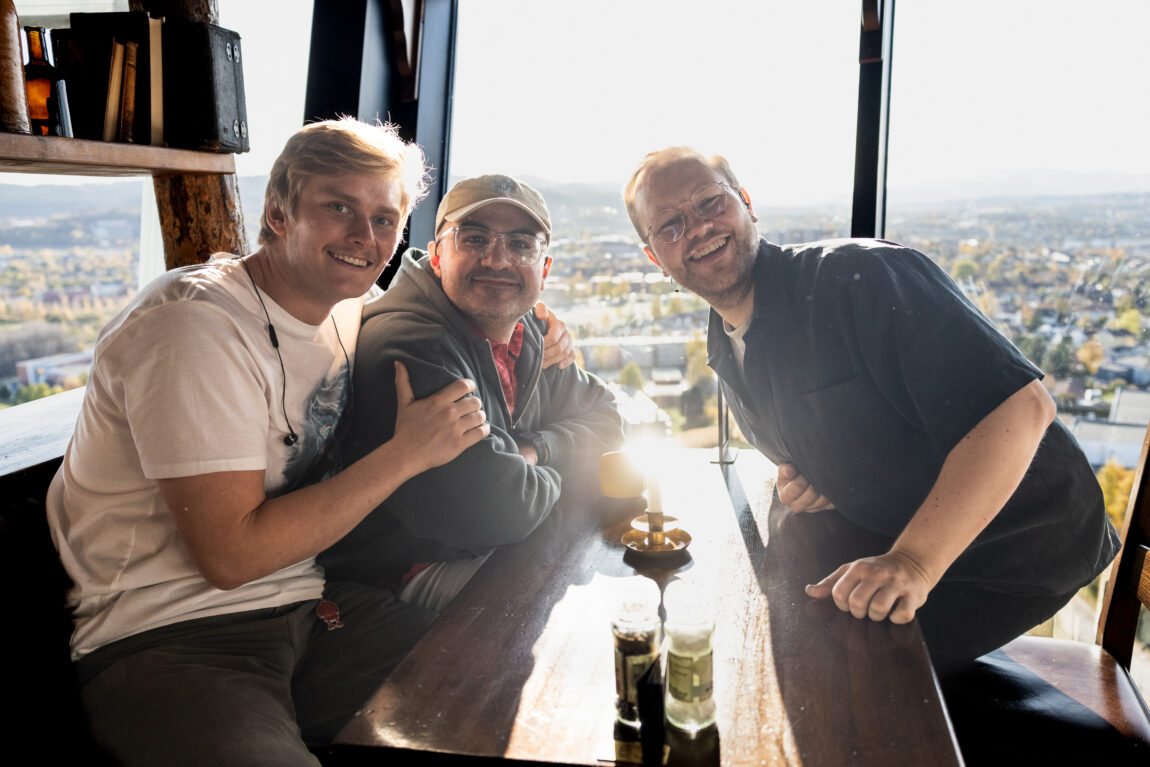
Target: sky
(979,88)
(580,91)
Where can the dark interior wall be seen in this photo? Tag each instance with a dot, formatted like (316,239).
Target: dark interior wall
(350,67)
(358,66)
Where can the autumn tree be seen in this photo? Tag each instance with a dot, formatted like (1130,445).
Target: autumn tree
(1117,481)
(698,374)
(964,269)
(1129,320)
(1058,360)
(1032,347)
(631,376)
(1091,354)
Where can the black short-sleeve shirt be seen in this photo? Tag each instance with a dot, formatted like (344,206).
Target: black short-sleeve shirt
(865,365)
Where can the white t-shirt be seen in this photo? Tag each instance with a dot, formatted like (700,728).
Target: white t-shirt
(738,341)
(186,382)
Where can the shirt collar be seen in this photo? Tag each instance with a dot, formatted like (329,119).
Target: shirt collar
(771,299)
(514,346)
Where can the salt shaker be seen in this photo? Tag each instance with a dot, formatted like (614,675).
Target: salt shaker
(690,627)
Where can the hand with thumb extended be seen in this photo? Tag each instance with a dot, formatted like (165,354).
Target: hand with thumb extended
(439,427)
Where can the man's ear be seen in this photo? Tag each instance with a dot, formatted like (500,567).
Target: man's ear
(546,269)
(654,259)
(275,217)
(433,251)
(747,201)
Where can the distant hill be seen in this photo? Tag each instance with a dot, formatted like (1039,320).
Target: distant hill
(1009,185)
(594,208)
(68,199)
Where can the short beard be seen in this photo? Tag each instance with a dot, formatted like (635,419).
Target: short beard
(741,287)
(732,296)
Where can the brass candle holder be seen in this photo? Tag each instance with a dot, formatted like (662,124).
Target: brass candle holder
(652,533)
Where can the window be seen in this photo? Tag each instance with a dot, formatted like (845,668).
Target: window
(772,86)
(1018,161)
(74,250)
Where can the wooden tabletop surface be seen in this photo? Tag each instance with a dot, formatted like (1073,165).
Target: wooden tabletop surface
(521,664)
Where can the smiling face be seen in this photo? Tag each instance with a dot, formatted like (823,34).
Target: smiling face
(715,256)
(337,241)
(491,291)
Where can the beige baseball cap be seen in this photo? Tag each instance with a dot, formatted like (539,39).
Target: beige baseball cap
(473,193)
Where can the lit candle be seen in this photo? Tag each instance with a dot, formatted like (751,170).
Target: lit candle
(654,494)
(654,511)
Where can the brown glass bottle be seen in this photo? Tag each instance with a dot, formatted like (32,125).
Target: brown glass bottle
(13,97)
(39,76)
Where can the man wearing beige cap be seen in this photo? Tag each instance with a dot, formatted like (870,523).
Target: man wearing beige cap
(465,310)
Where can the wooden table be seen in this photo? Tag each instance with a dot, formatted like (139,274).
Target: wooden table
(521,664)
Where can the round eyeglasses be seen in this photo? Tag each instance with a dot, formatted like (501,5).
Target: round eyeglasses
(476,242)
(708,201)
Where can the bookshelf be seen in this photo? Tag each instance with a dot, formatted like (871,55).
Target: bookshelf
(51,154)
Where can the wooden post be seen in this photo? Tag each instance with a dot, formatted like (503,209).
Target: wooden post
(199,214)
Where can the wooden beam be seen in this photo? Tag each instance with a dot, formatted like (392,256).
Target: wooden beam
(199,216)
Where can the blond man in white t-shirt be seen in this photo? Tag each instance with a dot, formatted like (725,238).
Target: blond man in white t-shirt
(186,510)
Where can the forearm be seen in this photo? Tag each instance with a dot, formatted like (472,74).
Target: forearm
(575,445)
(280,531)
(486,497)
(319,515)
(581,421)
(235,534)
(978,477)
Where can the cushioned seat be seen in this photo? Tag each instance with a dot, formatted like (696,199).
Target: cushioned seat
(1054,702)
(1048,702)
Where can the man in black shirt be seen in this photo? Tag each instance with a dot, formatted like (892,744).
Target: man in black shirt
(885,396)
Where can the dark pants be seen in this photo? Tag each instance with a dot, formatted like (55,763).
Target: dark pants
(250,688)
(960,622)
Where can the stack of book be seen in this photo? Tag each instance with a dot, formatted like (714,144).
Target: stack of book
(132,78)
(112,64)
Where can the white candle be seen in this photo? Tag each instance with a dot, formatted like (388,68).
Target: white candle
(654,495)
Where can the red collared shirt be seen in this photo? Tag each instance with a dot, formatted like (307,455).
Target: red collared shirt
(506,356)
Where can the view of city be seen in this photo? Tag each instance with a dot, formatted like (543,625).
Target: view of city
(1063,277)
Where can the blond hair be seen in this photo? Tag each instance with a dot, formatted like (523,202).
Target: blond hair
(662,158)
(343,146)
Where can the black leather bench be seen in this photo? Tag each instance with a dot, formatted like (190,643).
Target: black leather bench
(43,702)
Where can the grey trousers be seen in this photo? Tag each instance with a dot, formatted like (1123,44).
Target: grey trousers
(252,688)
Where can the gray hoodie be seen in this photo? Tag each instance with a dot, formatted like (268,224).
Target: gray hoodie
(488,496)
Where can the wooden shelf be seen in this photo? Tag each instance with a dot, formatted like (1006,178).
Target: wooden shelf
(50,154)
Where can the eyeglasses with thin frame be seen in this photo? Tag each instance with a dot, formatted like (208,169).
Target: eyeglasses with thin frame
(708,201)
(475,242)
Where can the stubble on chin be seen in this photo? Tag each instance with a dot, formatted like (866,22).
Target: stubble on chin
(733,287)
(484,310)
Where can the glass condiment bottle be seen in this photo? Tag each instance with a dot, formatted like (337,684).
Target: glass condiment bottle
(690,628)
(635,626)
(13,97)
(39,77)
